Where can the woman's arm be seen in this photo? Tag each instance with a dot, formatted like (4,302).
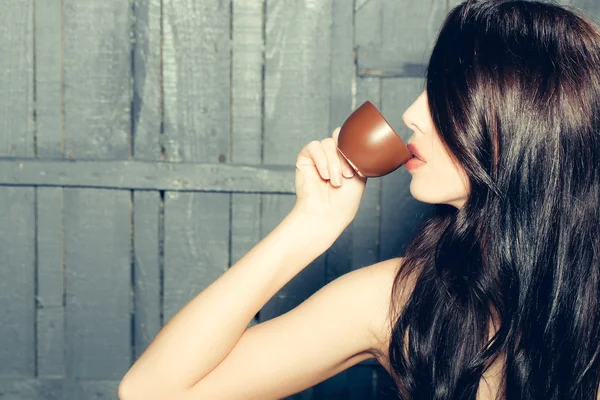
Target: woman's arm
(205,349)
(203,333)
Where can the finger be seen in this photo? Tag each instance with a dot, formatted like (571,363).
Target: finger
(347,169)
(333,161)
(336,134)
(318,156)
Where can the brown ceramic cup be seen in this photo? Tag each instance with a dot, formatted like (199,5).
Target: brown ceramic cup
(370,144)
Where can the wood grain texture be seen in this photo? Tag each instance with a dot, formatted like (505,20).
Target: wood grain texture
(17,258)
(196,58)
(147,80)
(146,125)
(149,175)
(196,245)
(97,67)
(48,78)
(49,202)
(297,80)
(342,72)
(146,269)
(401,214)
(197,128)
(98,277)
(50,287)
(58,389)
(16,78)
(395,37)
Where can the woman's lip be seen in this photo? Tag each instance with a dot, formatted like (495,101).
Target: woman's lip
(413,149)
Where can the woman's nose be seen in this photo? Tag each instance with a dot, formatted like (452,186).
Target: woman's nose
(415,116)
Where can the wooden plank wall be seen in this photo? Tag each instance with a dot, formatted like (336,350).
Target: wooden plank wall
(123,128)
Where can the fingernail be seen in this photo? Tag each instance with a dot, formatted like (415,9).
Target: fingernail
(348,173)
(336,180)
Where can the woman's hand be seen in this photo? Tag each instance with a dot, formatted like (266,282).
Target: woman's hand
(326,185)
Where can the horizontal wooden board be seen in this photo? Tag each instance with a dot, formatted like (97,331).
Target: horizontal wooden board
(58,389)
(149,175)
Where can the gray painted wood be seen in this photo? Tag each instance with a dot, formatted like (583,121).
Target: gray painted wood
(48,78)
(148,175)
(50,316)
(17,205)
(297,104)
(197,93)
(147,89)
(97,73)
(399,39)
(196,88)
(17,259)
(16,78)
(98,283)
(58,389)
(50,288)
(147,269)
(342,72)
(590,7)
(247,100)
(401,214)
(196,245)
(146,128)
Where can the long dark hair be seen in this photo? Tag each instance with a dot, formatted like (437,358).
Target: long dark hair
(514,92)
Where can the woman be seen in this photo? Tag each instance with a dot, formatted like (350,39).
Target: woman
(497,295)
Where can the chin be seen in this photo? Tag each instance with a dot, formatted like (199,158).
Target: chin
(431,197)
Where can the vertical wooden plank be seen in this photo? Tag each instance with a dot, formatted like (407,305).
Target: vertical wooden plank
(48,78)
(297,103)
(246,119)
(197,129)
(17,207)
(196,245)
(16,78)
(147,273)
(297,79)
(97,227)
(50,291)
(17,257)
(97,74)
(196,59)
(146,129)
(410,28)
(49,207)
(401,214)
(343,74)
(147,89)
(97,79)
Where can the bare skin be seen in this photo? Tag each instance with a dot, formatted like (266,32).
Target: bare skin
(206,352)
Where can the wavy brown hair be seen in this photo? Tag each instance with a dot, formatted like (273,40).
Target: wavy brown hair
(514,92)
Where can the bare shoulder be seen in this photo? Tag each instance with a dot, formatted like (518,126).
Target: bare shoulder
(377,281)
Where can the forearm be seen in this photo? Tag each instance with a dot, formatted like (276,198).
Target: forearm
(203,332)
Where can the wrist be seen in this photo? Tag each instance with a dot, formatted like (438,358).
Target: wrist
(319,229)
